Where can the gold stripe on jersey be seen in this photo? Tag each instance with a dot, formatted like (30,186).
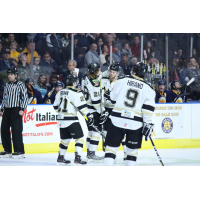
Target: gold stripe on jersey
(79,140)
(66,144)
(147,113)
(109,105)
(132,154)
(95,138)
(120,109)
(107,149)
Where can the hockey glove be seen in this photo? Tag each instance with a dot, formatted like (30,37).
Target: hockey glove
(147,129)
(90,121)
(103,117)
(107,95)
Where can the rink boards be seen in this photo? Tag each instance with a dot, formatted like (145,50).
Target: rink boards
(176,126)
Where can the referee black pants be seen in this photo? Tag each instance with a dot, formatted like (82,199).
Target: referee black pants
(11,118)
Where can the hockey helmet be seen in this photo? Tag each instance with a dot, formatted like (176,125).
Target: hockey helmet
(59,84)
(140,69)
(71,79)
(28,80)
(93,67)
(173,84)
(115,67)
(162,82)
(12,70)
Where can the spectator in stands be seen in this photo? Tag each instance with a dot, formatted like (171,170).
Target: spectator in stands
(55,44)
(83,41)
(50,96)
(109,42)
(5,62)
(176,91)
(125,65)
(126,49)
(104,37)
(134,61)
(65,39)
(123,36)
(162,95)
(49,66)
(104,48)
(107,64)
(174,65)
(0,50)
(13,50)
(79,55)
(73,70)
(27,51)
(24,71)
(194,54)
(194,72)
(41,84)
(34,95)
(92,37)
(180,57)
(40,42)
(99,45)
(36,67)
(148,50)
(13,61)
(114,38)
(135,47)
(117,52)
(54,78)
(7,42)
(92,56)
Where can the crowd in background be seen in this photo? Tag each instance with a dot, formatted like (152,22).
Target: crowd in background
(52,53)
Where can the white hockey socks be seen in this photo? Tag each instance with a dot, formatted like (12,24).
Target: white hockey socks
(131,156)
(110,155)
(63,146)
(94,141)
(79,145)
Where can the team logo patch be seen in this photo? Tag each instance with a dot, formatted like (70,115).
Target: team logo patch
(96,82)
(167,125)
(127,113)
(125,125)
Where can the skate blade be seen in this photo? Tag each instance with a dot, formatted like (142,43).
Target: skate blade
(63,164)
(78,164)
(6,156)
(95,161)
(18,157)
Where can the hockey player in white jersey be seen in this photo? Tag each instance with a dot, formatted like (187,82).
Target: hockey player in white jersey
(132,115)
(107,84)
(91,88)
(67,120)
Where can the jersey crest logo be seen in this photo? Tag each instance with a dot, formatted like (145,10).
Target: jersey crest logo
(167,125)
(96,82)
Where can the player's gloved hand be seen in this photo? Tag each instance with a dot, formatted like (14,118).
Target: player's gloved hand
(90,121)
(107,95)
(103,117)
(147,129)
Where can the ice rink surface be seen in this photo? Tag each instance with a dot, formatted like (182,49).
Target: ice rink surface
(170,157)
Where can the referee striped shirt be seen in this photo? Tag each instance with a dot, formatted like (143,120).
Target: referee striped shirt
(15,95)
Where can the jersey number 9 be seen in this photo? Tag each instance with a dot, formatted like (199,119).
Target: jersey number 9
(131,95)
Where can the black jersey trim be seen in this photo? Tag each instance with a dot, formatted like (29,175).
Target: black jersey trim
(148,107)
(96,102)
(55,107)
(113,102)
(82,106)
(115,114)
(91,107)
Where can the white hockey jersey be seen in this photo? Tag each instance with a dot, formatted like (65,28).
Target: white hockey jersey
(91,90)
(67,114)
(107,85)
(134,103)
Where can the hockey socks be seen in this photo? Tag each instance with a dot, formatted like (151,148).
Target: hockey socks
(131,156)
(94,141)
(79,146)
(110,155)
(63,146)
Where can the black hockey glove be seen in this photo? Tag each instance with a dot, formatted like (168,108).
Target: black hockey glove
(103,117)
(90,120)
(147,129)
(107,95)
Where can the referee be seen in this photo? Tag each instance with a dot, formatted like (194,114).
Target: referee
(14,103)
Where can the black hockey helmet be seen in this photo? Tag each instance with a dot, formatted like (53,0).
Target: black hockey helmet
(115,67)
(140,69)
(12,70)
(93,67)
(71,79)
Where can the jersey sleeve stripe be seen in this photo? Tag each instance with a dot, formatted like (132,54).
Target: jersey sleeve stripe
(148,107)
(82,106)
(96,102)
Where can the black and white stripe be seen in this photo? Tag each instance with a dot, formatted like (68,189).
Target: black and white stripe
(15,95)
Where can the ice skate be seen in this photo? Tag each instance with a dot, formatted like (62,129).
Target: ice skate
(18,155)
(78,160)
(61,160)
(5,154)
(93,158)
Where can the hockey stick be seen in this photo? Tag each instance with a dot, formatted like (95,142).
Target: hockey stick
(159,158)
(49,95)
(96,129)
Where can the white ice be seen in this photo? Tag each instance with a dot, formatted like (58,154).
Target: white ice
(170,157)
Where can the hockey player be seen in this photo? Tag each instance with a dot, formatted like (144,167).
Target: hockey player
(34,95)
(49,97)
(91,88)
(176,92)
(107,84)
(68,121)
(163,95)
(132,115)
